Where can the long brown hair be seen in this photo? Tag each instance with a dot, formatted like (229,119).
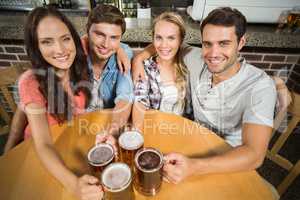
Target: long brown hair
(181,72)
(59,105)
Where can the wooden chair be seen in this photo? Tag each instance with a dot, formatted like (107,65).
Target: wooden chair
(293,169)
(8,77)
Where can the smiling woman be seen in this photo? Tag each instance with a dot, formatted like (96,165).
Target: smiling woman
(165,87)
(50,92)
(56,43)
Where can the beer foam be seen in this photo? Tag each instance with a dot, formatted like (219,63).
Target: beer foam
(100,154)
(131,140)
(116,176)
(148,159)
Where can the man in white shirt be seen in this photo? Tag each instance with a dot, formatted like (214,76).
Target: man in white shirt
(229,95)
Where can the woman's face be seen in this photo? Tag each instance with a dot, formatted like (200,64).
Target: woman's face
(167,39)
(55,43)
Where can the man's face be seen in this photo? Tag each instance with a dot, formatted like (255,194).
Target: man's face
(104,39)
(220,47)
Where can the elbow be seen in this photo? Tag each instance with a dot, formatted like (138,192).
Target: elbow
(257,162)
(254,159)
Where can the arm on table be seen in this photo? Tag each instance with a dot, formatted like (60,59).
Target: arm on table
(138,112)
(123,103)
(120,115)
(247,156)
(83,187)
(16,133)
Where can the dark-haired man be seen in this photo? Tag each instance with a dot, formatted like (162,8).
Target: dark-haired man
(111,87)
(232,97)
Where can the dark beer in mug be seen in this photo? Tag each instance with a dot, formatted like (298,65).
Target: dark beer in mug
(129,143)
(100,156)
(116,180)
(148,168)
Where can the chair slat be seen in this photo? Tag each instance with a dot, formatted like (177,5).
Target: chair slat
(273,154)
(8,77)
(9,99)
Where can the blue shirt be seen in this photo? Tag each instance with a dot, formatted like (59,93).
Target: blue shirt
(114,85)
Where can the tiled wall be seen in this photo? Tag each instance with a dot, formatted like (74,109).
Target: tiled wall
(11,54)
(283,64)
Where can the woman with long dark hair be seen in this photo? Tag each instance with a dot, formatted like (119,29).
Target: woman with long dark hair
(55,89)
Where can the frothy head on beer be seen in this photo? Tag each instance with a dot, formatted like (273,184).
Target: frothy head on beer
(116,176)
(101,154)
(149,159)
(131,140)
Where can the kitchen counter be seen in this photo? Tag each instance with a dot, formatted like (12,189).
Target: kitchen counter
(139,30)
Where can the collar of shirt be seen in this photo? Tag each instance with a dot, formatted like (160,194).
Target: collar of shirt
(111,65)
(225,83)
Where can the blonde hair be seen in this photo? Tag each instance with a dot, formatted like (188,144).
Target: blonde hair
(181,71)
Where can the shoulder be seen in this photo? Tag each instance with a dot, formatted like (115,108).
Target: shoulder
(29,90)
(192,57)
(262,79)
(190,51)
(127,49)
(28,79)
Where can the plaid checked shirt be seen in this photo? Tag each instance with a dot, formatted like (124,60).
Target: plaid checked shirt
(147,91)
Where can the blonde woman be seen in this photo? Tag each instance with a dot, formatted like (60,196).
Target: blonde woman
(164,84)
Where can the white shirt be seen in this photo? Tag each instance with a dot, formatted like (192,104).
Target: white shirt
(169,100)
(247,97)
(96,102)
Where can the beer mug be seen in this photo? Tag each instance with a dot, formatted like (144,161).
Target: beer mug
(148,168)
(100,156)
(116,180)
(129,143)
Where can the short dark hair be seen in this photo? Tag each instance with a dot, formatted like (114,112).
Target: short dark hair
(106,14)
(227,17)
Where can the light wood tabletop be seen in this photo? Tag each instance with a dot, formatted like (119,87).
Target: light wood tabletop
(23,177)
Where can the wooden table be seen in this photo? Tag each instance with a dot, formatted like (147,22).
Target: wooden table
(23,177)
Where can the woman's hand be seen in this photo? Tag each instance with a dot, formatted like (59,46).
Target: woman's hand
(88,188)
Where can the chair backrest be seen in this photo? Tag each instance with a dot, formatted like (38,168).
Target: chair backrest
(273,153)
(8,77)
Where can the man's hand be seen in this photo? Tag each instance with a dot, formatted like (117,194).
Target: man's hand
(88,188)
(124,63)
(177,167)
(283,95)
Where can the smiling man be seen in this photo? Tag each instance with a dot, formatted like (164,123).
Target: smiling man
(232,97)
(111,88)
(229,96)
